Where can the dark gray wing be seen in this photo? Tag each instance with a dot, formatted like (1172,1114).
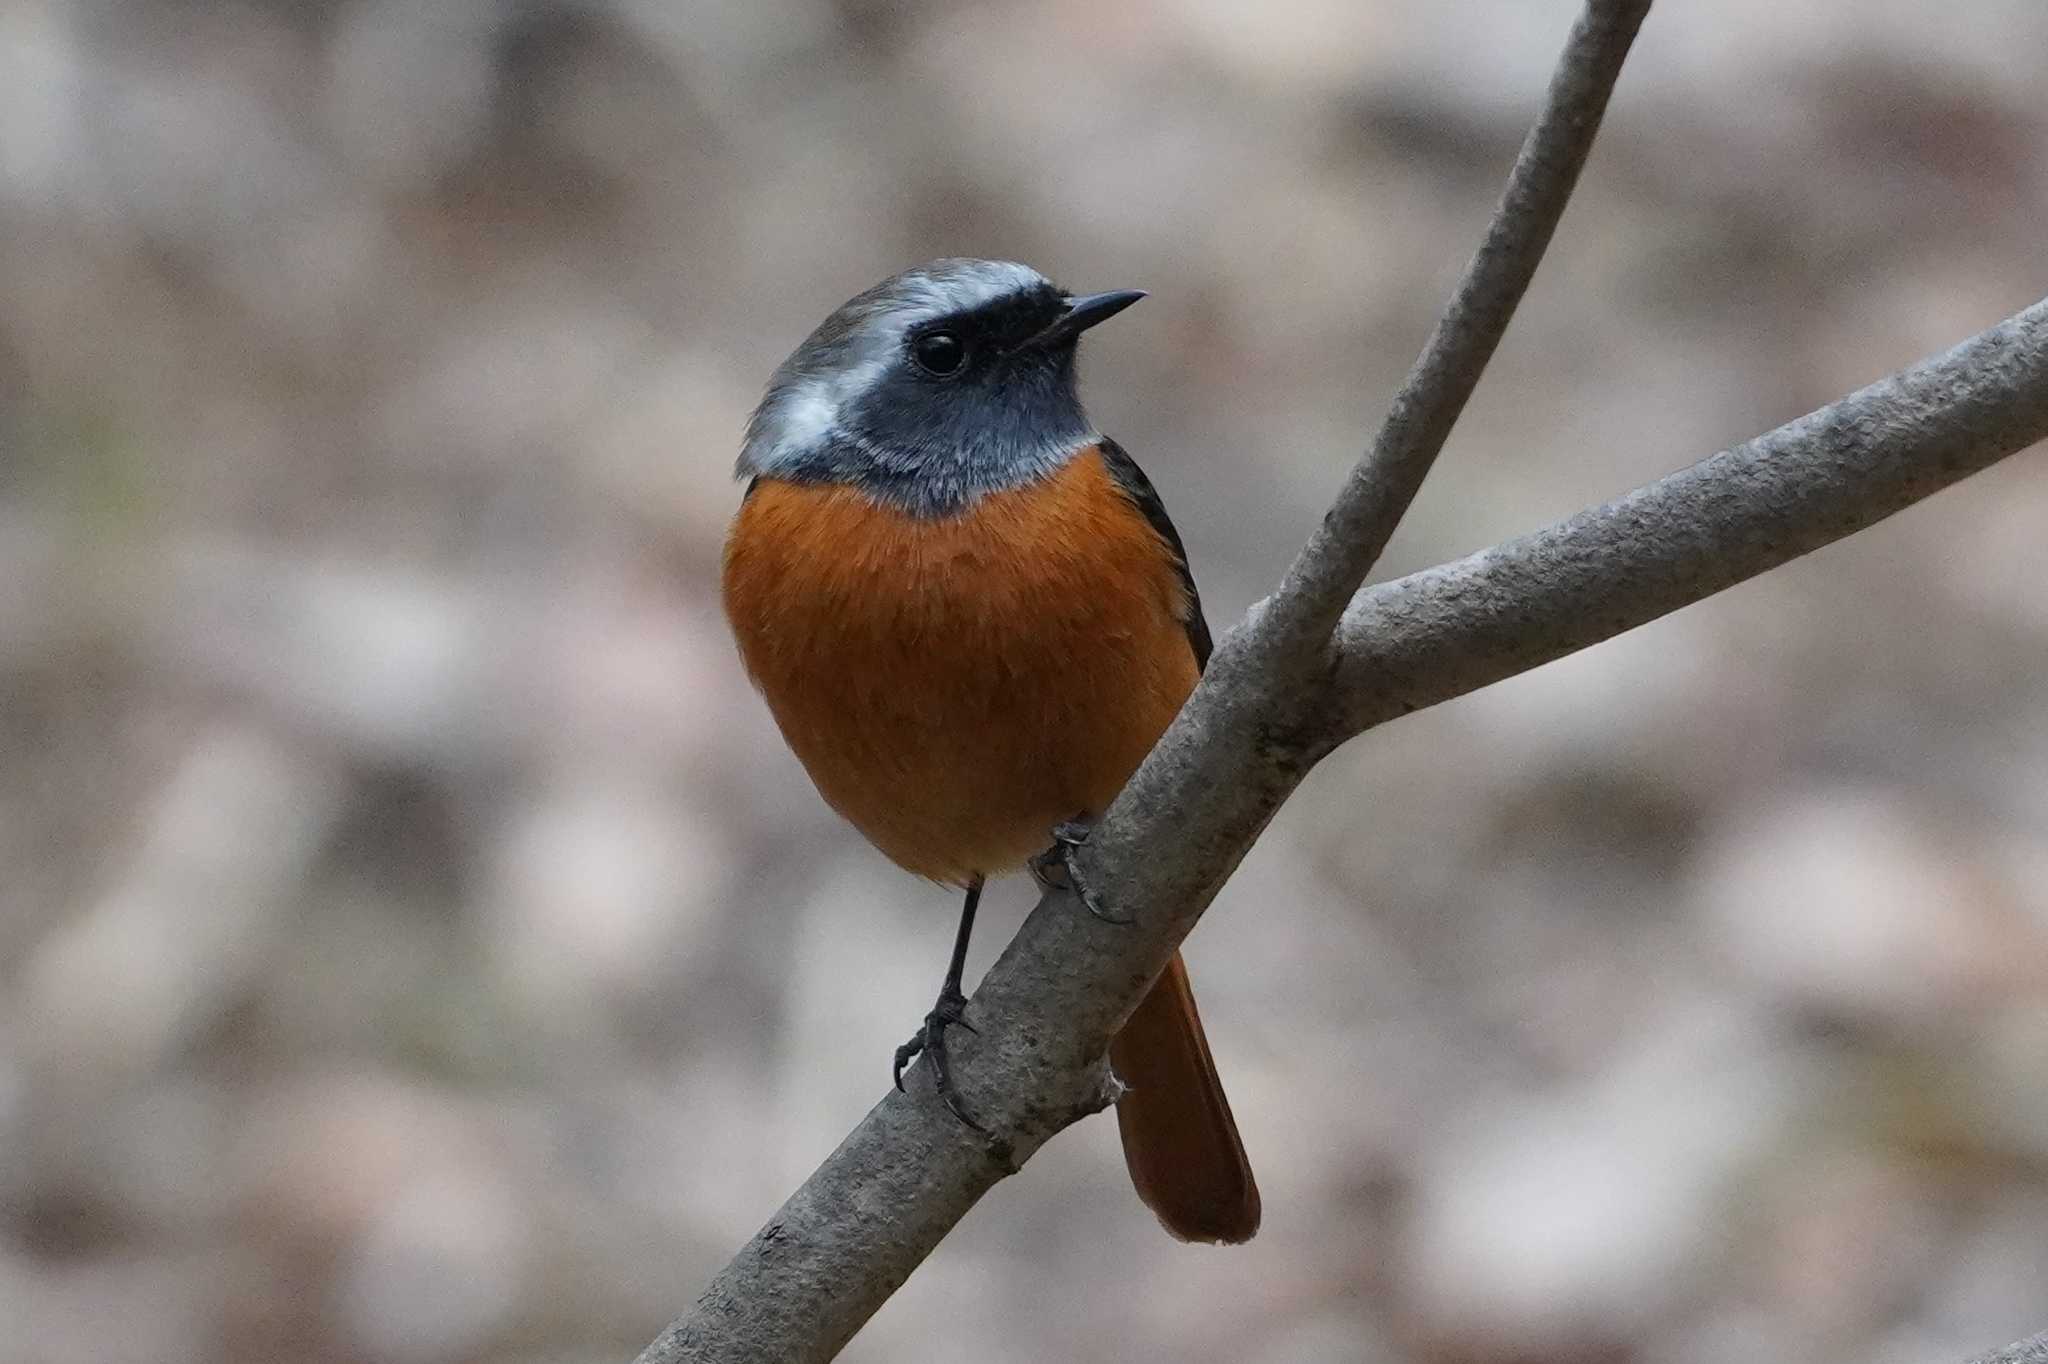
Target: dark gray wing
(1145,497)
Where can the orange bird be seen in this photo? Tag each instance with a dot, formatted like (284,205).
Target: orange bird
(972,618)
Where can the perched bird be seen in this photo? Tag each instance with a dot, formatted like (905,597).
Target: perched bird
(971,619)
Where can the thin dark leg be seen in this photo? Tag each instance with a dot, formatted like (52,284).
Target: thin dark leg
(958,964)
(950,1010)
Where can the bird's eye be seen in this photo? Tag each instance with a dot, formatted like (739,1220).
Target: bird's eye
(939,353)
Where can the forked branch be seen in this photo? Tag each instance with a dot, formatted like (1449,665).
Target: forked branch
(1316,664)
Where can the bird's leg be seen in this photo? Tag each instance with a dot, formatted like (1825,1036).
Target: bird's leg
(951,1009)
(1053,869)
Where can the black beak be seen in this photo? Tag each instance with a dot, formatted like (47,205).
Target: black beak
(1083,313)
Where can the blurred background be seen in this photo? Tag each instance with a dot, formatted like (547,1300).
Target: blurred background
(418,948)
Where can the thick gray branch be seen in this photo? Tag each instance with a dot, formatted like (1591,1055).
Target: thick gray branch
(1376,495)
(1046,1010)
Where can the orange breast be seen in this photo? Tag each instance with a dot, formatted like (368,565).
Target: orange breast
(957,686)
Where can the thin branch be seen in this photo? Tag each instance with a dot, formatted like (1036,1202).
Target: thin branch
(1376,496)
(1451,629)
(2033,1350)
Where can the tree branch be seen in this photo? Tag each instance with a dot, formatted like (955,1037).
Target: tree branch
(1261,719)
(1451,629)
(1376,496)
(2032,1350)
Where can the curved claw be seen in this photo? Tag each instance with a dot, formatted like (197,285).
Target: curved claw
(930,1040)
(942,1079)
(1093,904)
(1054,869)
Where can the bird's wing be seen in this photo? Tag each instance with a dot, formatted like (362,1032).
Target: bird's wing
(1146,498)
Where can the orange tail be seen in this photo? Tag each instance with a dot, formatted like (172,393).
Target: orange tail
(1180,1141)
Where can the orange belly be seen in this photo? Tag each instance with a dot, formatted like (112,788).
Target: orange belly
(957,686)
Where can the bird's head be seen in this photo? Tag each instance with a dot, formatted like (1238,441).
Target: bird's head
(938,385)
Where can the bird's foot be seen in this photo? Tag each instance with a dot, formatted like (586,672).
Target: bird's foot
(1054,868)
(930,1039)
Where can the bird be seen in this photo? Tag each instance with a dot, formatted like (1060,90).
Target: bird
(971,618)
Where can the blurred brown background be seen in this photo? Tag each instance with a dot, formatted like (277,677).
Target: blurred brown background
(417,948)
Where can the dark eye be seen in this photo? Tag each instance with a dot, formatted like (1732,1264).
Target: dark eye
(940,353)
